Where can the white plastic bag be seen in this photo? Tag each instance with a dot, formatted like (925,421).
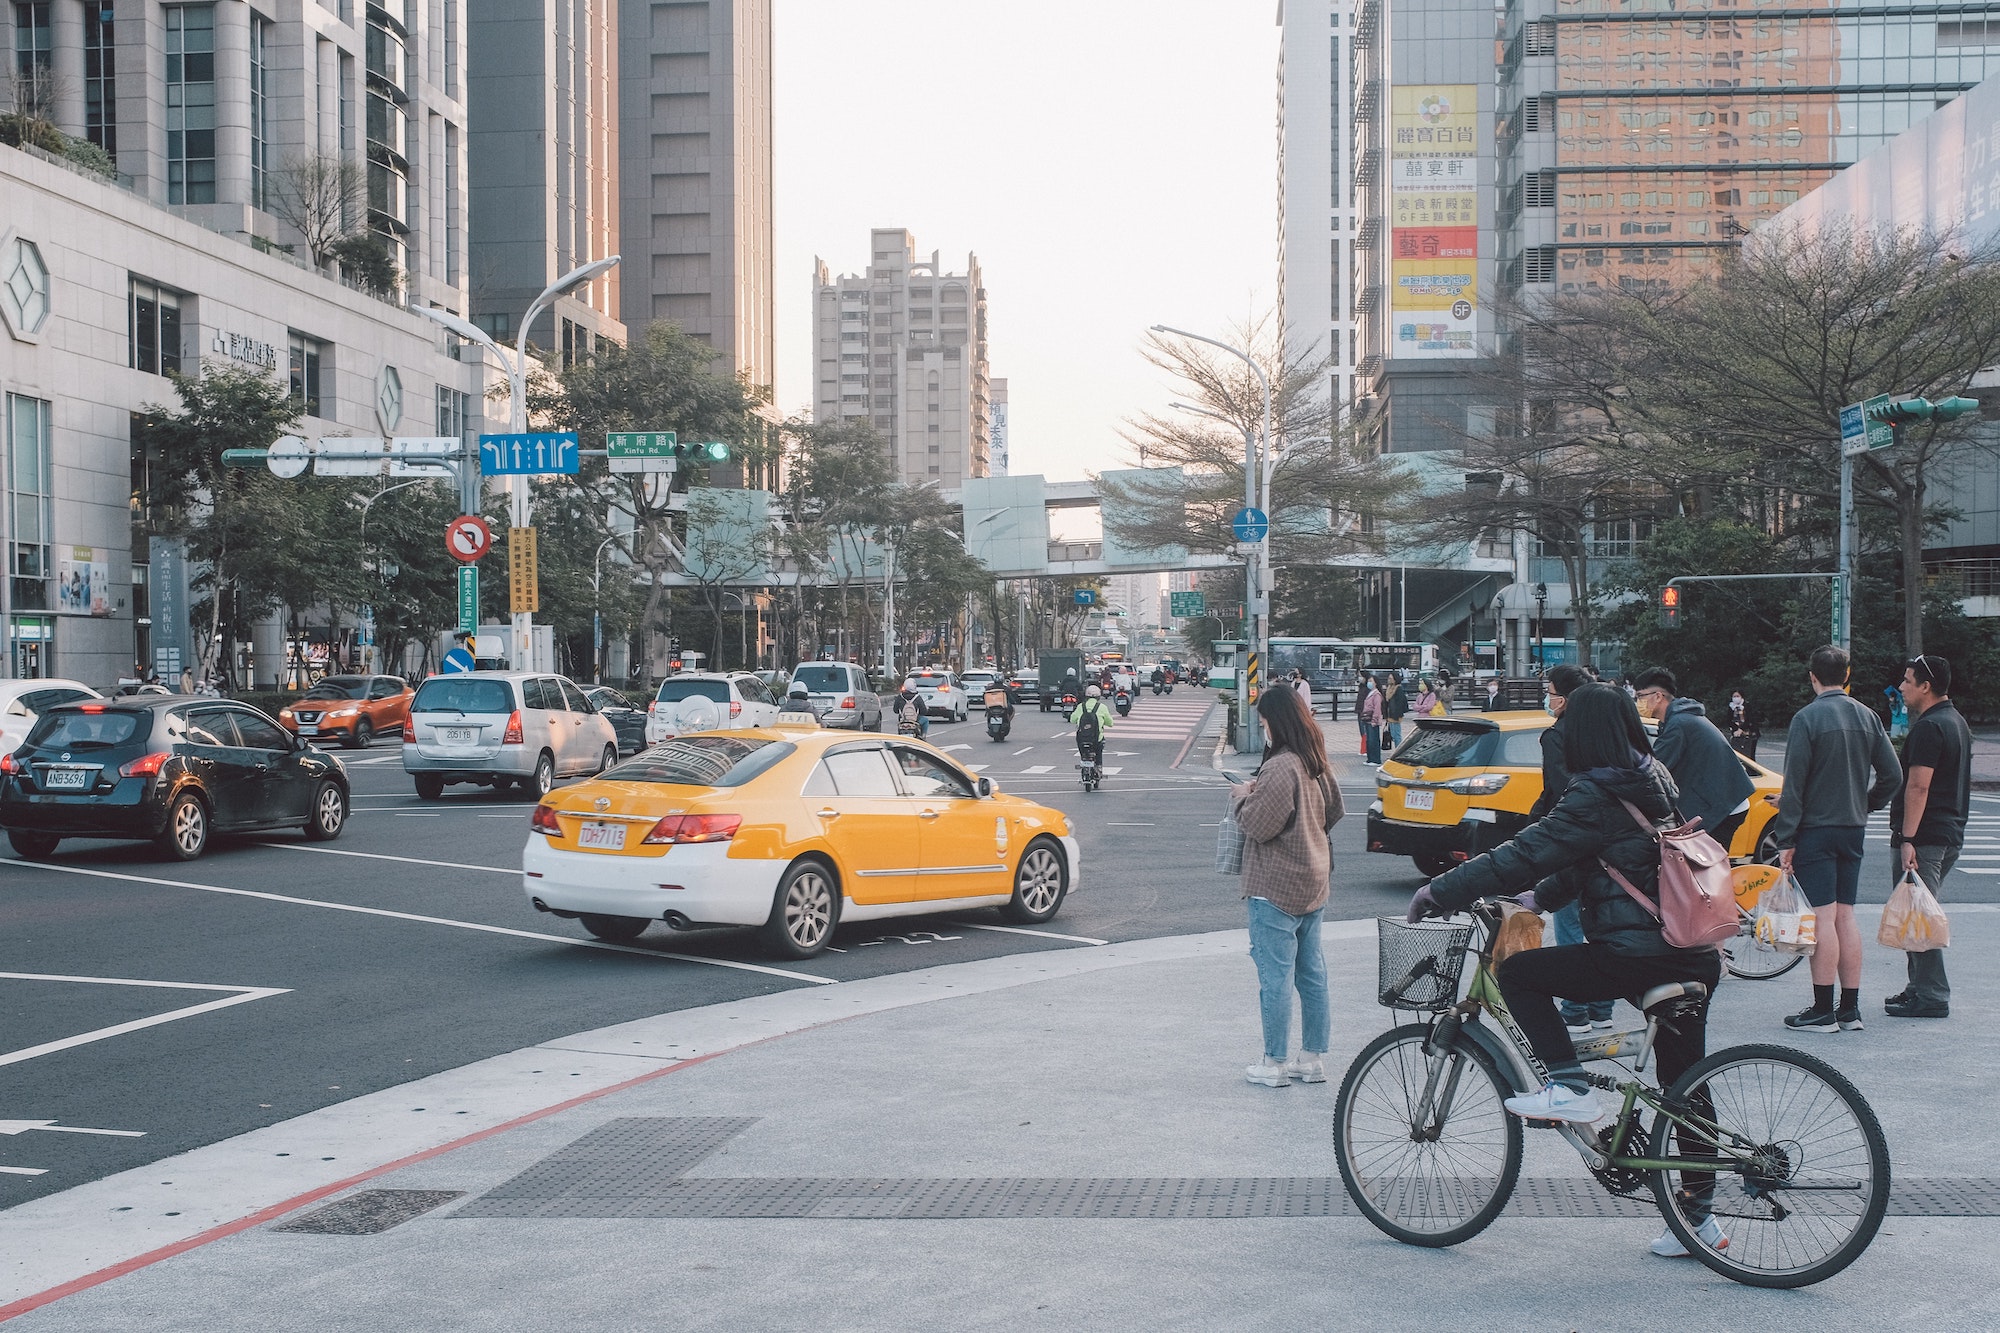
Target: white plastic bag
(1784,919)
(1229,845)
(1912,921)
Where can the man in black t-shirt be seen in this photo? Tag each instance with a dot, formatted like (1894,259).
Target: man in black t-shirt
(1927,818)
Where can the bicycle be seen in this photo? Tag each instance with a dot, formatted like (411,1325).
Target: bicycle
(1775,1144)
(1745,955)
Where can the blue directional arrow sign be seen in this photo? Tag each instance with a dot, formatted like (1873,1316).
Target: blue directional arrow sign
(1250,525)
(529,455)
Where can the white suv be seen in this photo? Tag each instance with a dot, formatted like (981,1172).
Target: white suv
(841,695)
(708,701)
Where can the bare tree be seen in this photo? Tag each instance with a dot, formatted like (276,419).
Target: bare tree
(318,195)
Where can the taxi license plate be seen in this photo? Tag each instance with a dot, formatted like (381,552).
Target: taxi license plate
(1419,800)
(67,779)
(606,837)
(457,735)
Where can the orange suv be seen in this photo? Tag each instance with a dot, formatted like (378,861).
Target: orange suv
(353,710)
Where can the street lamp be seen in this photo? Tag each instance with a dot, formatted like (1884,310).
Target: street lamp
(1541,614)
(516,367)
(1256,568)
(368,503)
(597,611)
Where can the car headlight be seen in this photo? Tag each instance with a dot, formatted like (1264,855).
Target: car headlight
(1384,780)
(1485,784)
(343,712)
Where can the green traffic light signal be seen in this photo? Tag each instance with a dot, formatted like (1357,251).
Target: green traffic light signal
(716,450)
(1947,408)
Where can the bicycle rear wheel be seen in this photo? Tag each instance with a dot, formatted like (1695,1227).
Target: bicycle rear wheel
(1752,961)
(1813,1181)
(1437,1180)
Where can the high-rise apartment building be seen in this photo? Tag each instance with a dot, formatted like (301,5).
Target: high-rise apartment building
(1638,145)
(210,108)
(903,348)
(543,95)
(1316,89)
(694,97)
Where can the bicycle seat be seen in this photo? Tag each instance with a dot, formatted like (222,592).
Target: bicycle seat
(1672,990)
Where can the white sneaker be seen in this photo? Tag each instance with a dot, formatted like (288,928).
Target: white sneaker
(1270,1073)
(1668,1245)
(1580,1028)
(1307,1068)
(1557,1102)
(1601,1024)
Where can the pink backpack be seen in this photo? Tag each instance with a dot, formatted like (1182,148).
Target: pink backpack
(1697,899)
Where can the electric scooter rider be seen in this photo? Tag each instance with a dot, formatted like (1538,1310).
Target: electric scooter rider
(1091,720)
(909,699)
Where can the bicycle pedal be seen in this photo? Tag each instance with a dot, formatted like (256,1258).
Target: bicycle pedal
(1545,1124)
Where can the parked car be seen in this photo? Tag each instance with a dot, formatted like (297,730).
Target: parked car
(708,701)
(173,770)
(23,701)
(493,728)
(940,692)
(353,710)
(841,693)
(793,831)
(626,718)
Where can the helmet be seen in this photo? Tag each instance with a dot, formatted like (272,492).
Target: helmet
(798,690)
(1092,692)
(910,685)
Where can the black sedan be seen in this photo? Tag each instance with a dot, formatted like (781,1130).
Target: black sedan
(172,770)
(627,721)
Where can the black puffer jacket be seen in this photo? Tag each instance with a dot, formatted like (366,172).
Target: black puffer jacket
(1557,857)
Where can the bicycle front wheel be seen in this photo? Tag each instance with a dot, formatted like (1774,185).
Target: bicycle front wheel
(1810,1182)
(1426,1150)
(1745,957)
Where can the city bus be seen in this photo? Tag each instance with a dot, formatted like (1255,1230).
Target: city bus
(1330,664)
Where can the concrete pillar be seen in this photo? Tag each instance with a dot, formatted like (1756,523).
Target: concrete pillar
(232,102)
(327,57)
(66,31)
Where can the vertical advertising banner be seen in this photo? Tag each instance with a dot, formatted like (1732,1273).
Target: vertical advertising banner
(1434,223)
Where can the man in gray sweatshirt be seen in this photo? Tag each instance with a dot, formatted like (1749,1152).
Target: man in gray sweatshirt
(1836,743)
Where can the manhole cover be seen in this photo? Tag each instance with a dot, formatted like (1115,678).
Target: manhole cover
(370,1212)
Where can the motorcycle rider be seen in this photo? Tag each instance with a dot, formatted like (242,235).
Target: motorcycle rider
(1159,679)
(909,698)
(1092,706)
(798,699)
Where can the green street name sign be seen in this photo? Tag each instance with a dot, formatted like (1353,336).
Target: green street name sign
(1186,604)
(641,444)
(468,598)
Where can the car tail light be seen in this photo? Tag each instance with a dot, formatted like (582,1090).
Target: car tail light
(735,707)
(694,828)
(544,821)
(8,764)
(512,736)
(90,708)
(410,730)
(145,766)
(652,706)
(847,702)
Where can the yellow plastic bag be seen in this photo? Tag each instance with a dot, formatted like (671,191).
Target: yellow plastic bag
(1913,921)
(1785,921)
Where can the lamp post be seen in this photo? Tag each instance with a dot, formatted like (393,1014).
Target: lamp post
(367,503)
(516,367)
(1541,614)
(597,612)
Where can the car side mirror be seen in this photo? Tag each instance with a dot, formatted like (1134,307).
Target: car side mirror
(985,788)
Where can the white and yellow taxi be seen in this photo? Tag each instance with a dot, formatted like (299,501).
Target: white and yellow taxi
(794,830)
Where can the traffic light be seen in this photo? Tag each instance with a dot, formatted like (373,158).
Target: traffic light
(1903,411)
(1944,409)
(715,450)
(1670,607)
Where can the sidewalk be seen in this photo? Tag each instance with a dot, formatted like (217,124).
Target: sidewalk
(1054,1141)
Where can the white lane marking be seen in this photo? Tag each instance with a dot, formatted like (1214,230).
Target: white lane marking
(50,1126)
(1023,750)
(412,814)
(236,995)
(979,768)
(1040,768)
(1115,824)
(425,920)
(384,856)
(21,1171)
(949,748)
(513,817)
(1113,770)
(1020,930)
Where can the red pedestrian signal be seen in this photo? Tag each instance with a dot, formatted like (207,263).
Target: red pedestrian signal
(1670,607)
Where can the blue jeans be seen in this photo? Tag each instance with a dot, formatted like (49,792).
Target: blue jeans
(1287,953)
(1569,930)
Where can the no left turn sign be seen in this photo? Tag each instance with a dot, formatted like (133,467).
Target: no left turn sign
(468,538)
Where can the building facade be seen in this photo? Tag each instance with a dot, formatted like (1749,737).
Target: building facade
(103,294)
(902,347)
(1636,145)
(1316,196)
(694,178)
(542,90)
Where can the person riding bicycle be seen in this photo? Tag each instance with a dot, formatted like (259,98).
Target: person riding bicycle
(1563,857)
(1091,720)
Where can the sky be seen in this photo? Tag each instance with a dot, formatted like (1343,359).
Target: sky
(1113,163)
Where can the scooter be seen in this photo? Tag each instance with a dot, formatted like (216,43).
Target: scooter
(1123,703)
(1092,773)
(998,724)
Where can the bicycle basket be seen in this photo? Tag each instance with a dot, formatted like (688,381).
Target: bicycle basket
(1422,962)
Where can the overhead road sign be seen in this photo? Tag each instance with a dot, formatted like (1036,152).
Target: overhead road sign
(467,538)
(1084,597)
(543,455)
(373,456)
(1862,430)
(1185,605)
(1250,525)
(643,450)
(289,457)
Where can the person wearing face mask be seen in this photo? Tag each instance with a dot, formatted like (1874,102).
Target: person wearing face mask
(1743,730)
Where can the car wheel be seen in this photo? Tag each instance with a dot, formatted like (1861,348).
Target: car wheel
(614,929)
(34,846)
(1432,866)
(429,786)
(803,912)
(364,735)
(1040,882)
(329,813)
(544,776)
(609,759)
(186,834)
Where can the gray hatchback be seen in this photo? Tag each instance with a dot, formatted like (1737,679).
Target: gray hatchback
(493,728)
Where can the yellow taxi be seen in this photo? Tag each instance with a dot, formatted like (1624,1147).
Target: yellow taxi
(794,830)
(1462,785)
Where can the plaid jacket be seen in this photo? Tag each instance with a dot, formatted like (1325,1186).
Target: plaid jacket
(1285,817)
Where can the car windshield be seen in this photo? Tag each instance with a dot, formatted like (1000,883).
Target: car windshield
(822,679)
(84,731)
(1445,747)
(926,681)
(461,694)
(703,761)
(340,687)
(675,691)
